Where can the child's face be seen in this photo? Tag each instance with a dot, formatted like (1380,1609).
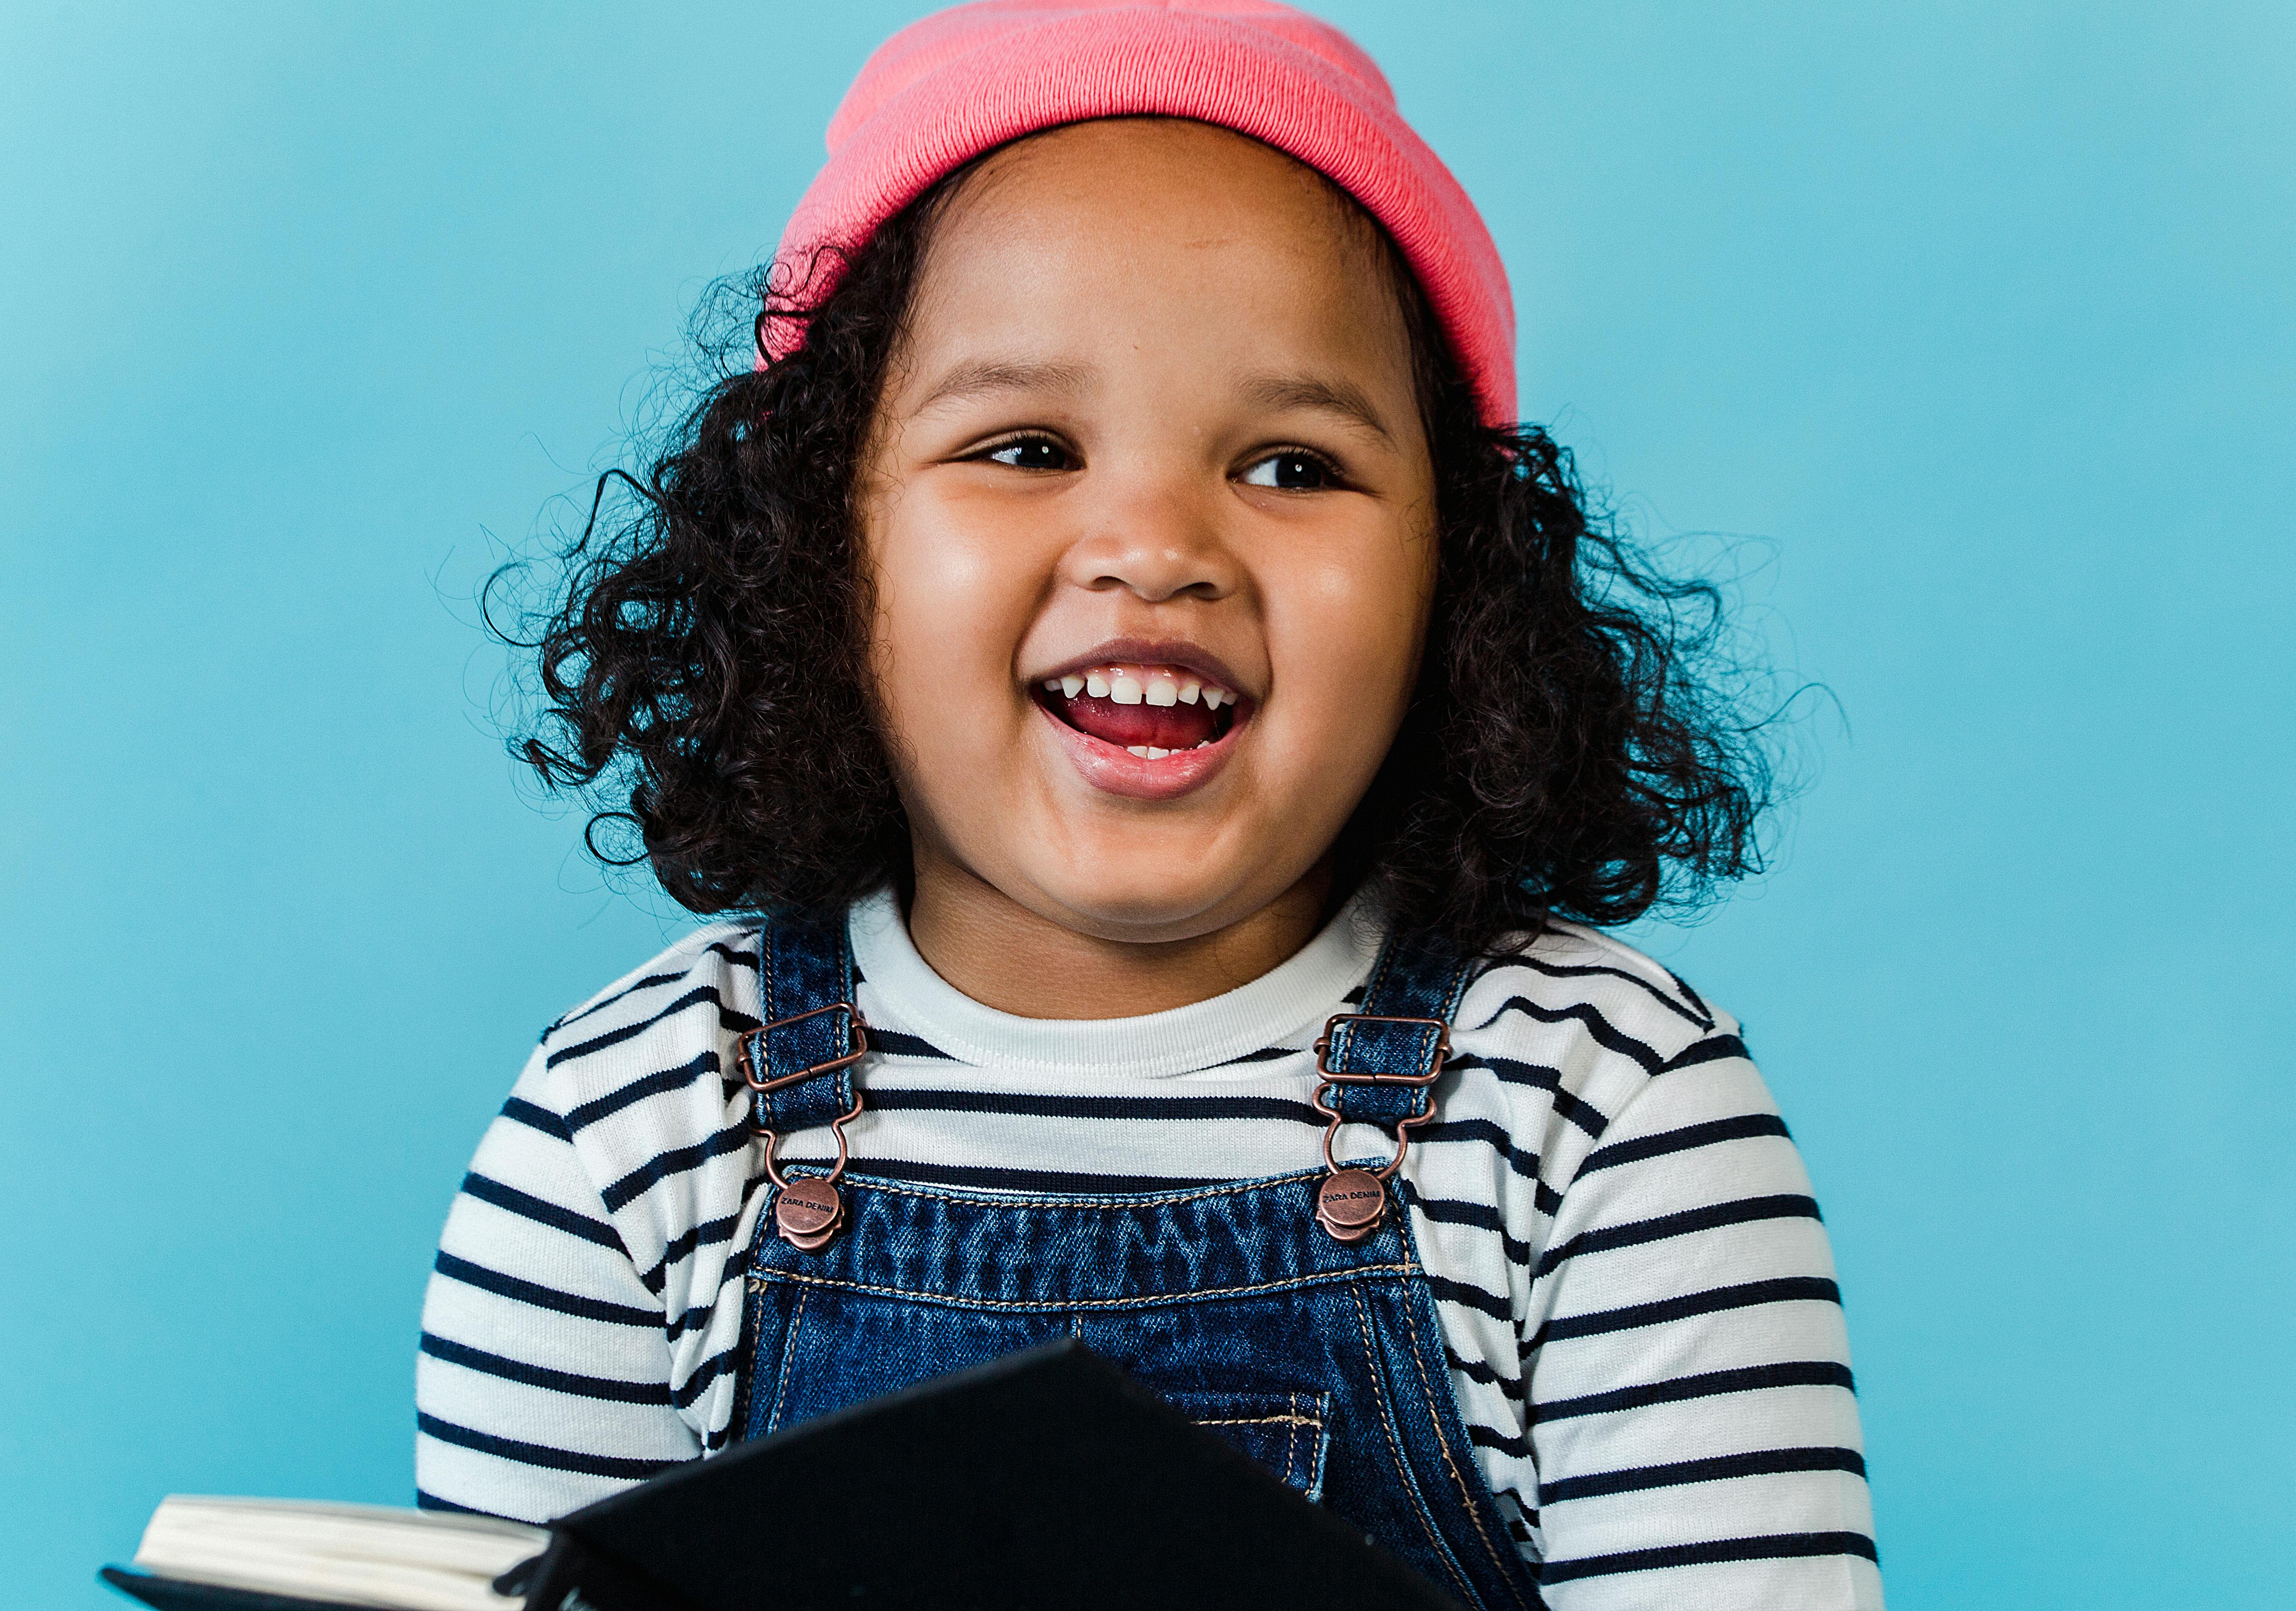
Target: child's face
(1152,438)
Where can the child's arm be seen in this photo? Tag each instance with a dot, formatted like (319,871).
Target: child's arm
(546,1375)
(1693,1422)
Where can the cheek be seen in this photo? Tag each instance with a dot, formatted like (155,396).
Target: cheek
(1349,625)
(951,603)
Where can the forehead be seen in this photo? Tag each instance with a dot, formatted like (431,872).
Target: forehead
(1157,228)
(1162,161)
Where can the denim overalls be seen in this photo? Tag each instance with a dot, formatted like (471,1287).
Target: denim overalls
(1320,1357)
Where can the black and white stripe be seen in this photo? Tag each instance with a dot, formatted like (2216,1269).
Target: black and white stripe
(1636,1291)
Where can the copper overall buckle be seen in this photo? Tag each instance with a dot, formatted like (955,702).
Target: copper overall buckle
(1350,1201)
(808,1210)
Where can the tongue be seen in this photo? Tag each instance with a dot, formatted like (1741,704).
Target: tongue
(1163,726)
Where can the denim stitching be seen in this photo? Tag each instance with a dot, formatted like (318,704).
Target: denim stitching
(1451,1003)
(1450,1464)
(1466,1494)
(1111,1201)
(1378,1387)
(1292,1444)
(1313,1453)
(788,1352)
(745,1365)
(1040,1305)
(1291,1439)
(1379,970)
(761,1104)
(766,973)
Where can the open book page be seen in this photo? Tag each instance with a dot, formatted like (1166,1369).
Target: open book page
(357,1555)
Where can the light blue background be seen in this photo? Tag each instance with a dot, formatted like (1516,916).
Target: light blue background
(1977,319)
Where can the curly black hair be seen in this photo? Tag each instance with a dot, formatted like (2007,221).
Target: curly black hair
(1565,751)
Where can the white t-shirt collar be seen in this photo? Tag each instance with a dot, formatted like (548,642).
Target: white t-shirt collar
(1304,990)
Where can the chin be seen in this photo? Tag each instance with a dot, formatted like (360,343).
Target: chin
(1145,910)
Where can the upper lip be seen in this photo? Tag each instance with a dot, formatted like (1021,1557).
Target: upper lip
(1147,652)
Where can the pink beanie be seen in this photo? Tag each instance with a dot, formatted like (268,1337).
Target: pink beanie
(968,79)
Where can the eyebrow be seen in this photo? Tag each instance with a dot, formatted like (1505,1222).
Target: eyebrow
(987,375)
(1341,397)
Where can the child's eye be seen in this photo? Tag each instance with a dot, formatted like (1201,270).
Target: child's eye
(1292,471)
(1032,453)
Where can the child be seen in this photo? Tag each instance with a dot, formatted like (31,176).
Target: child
(1169,713)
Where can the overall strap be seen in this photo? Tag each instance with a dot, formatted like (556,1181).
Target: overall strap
(1379,1066)
(798,1065)
(1401,1033)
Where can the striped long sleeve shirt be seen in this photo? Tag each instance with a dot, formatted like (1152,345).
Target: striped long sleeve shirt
(1637,1296)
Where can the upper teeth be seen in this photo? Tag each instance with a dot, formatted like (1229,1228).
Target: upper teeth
(1140,685)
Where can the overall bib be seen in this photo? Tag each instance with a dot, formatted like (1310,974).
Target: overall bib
(1320,1357)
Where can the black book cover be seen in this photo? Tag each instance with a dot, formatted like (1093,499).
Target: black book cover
(1045,1481)
(173,1594)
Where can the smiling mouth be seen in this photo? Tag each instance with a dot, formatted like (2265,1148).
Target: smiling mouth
(1151,711)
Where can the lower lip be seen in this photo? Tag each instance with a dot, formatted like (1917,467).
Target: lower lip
(1116,770)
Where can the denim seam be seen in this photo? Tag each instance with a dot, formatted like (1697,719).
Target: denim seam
(1377,1381)
(1304,1445)
(788,1352)
(1371,987)
(1505,1564)
(745,1364)
(1112,1203)
(761,1105)
(1450,1462)
(1045,1304)
(765,998)
(1380,969)
(1314,1478)
(745,1394)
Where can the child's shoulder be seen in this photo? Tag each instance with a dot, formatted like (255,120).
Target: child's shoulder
(1588,998)
(1571,1029)
(666,1012)
(713,951)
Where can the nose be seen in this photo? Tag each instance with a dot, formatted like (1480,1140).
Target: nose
(1156,536)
